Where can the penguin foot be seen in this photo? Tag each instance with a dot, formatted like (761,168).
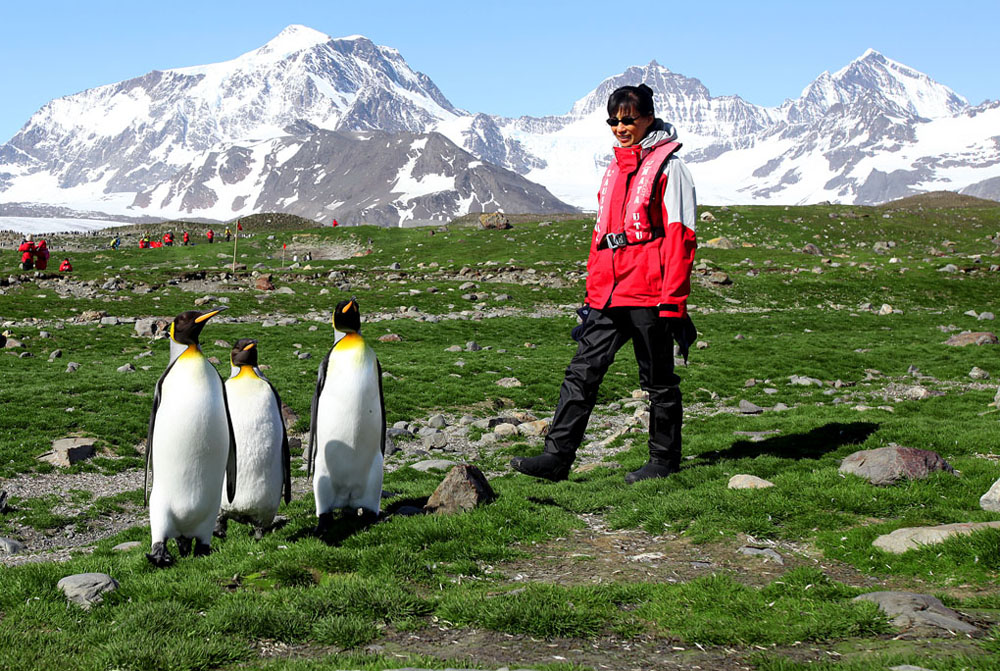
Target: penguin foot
(160,557)
(221,527)
(184,545)
(324,523)
(258,533)
(201,549)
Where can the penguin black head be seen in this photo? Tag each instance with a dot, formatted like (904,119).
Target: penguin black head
(187,326)
(347,316)
(244,353)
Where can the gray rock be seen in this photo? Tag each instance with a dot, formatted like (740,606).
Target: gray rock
(68,451)
(949,268)
(991,499)
(304,355)
(888,465)
(810,248)
(986,316)
(910,538)
(464,488)
(748,408)
(803,381)
(972,338)
(55,354)
(978,373)
(502,430)
(744,481)
(394,432)
(127,368)
(767,553)
(86,589)
(127,546)
(152,327)
(437,421)
(9,546)
(109,321)
(436,441)
(539,427)
(25,355)
(920,614)
(453,348)
(472,346)
(429,464)
(72,367)
(508,382)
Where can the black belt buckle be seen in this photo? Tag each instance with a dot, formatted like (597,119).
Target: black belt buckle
(615,240)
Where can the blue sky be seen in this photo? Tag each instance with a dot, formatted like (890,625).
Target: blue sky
(511,58)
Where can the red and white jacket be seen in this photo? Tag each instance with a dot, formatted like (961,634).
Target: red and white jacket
(653,269)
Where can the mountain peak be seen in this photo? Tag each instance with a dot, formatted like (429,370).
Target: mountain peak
(294,38)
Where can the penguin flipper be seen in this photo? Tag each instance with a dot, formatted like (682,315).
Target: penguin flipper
(231,460)
(314,410)
(286,455)
(149,436)
(381,401)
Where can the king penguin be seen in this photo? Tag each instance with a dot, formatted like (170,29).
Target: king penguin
(191,446)
(347,428)
(261,444)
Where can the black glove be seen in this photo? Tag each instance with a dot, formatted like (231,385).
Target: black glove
(577,331)
(683,332)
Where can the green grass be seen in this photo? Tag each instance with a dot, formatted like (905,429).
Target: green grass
(337,595)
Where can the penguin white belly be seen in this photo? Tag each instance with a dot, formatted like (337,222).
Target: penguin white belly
(349,427)
(190,450)
(258,428)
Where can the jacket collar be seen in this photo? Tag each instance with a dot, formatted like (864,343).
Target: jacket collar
(628,158)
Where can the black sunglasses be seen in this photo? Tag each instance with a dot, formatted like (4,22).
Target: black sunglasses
(627,120)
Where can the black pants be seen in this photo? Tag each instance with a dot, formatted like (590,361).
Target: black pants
(604,333)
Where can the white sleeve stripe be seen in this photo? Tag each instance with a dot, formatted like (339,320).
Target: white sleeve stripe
(679,199)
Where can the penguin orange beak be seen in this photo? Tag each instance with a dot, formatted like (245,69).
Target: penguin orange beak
(348,307)
(250,346)
(208,315)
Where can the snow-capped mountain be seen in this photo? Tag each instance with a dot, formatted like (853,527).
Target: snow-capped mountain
(344,128)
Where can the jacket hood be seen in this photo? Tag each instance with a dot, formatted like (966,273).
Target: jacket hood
(659,132)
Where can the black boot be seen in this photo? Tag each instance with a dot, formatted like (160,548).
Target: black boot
(546,466)
(654,468)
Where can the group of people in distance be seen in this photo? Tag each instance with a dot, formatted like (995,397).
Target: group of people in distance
(145,242)
(35,256)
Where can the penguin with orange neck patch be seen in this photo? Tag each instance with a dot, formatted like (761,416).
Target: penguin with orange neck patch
(191,447)
(347,428)
(261,444)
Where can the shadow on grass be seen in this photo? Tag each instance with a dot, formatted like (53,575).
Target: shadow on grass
(813,445)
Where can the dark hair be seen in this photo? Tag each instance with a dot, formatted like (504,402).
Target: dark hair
(638,97)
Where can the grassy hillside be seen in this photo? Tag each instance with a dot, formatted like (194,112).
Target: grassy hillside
(580,574)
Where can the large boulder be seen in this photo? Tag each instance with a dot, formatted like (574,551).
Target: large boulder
(464,488)
(920,614)
(494,220)
(988,501)
(888,465)
(911,538)
(972,338)
(152,327)
(87,589)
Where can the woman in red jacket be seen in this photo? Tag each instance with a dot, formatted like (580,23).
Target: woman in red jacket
(65,266)
(638,280)
(27,249)
(42,255)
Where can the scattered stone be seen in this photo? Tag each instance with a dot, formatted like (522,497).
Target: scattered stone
(886,309)
(810,248)
(744,481)
(991,500)
(803,381)
(920,614)
(25,355)
(437,440)
(12,343)
(9,546)
(127,546)
(505,429)
(304,355)
(127,368)
(719,278)
(767,553)
(437,421)
(472,346)
(86,589)
(264,283)
(707,216)
(429,464)
(888,465)
(55,354)
(453,348)
(972,338)
(464,488)
(68,451)
(390,337)
(986,316)
(917,393)
(539,427)
(911,538)
(72,367)
(701,344)
(949,268)
(721,242)
(494,220)
(152,327)
(748,408)
(508,382)
(978,373)
(3,501)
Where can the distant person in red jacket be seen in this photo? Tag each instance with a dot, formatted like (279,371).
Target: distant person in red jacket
(168,239)
(65,266)
(27,250)
(144,242)
(211,236)
(186,238)
(42,255)
(638,281)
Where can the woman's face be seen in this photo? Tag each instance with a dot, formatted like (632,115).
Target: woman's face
(631,134)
